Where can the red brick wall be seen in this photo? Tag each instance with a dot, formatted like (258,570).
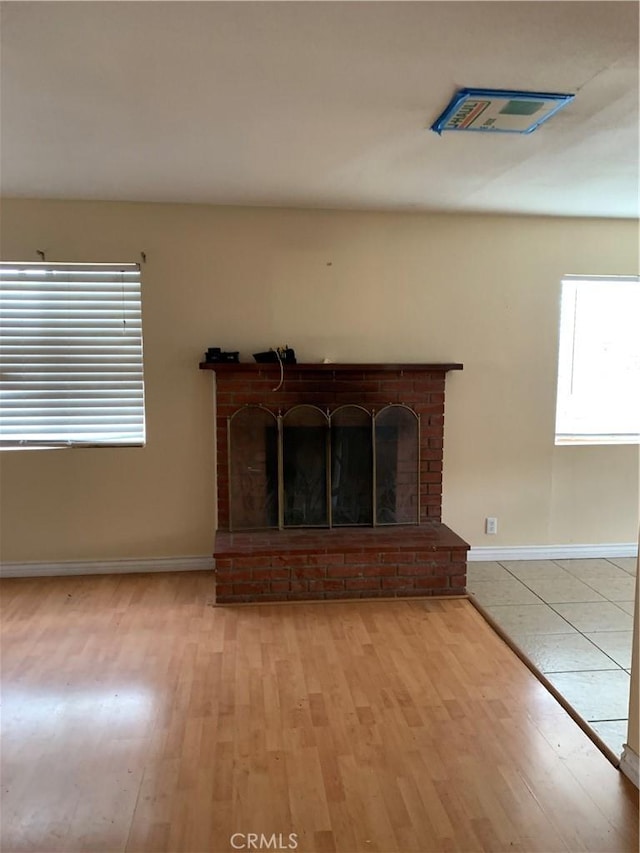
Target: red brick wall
(371,387)
(364,574)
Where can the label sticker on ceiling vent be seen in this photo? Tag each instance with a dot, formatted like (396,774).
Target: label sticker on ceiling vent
(499,110)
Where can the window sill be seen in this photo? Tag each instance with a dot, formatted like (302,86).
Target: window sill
(588,440)
(48,445)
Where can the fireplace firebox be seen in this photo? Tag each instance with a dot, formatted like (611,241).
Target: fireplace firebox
(331,485)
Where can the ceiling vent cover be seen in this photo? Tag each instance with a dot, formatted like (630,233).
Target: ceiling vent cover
(499,110)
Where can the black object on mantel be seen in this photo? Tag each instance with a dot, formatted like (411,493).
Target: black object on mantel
(283,354)
(214,355)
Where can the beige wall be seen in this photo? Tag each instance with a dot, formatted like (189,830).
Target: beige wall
(345,286)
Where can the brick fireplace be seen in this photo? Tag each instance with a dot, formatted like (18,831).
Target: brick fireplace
(294,563)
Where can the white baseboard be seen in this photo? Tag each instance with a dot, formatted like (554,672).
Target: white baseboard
(106,567)
(630,764)
(553,552)
(205,563)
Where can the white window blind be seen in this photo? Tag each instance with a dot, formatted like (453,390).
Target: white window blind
(70,355)
(599,361)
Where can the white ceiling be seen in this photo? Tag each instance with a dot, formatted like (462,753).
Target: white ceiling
(318,104)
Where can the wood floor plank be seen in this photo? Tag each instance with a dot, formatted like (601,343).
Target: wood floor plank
(138,717)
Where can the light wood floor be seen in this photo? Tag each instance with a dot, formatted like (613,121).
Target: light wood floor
(139,717)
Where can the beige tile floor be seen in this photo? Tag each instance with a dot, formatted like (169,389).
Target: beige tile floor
(573,619)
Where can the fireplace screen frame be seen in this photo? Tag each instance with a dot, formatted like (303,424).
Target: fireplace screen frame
(325,418)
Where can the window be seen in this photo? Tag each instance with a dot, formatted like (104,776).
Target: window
(70,355)
(599,361)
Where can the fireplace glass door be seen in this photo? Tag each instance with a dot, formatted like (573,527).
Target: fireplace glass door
(396,466)
(309,468)
(351,467)
(253,469)
(305,439)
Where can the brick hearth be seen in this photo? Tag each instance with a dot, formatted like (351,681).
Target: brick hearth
(358,562)
(370,562)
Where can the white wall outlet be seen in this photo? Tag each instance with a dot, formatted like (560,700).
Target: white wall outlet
(491,526)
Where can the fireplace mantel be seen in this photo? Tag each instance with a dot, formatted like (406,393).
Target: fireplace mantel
(321,367)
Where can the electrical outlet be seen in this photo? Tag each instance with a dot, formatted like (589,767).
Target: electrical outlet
(491,526)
